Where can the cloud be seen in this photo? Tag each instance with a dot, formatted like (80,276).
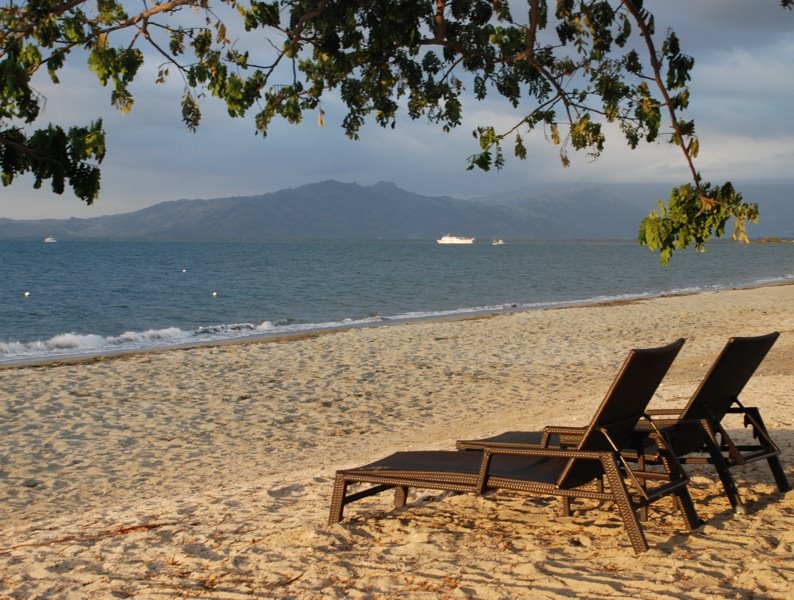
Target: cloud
(742,89)
(704,26)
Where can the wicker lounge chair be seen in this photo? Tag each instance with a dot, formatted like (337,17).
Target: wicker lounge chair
(696,432)
(565,472)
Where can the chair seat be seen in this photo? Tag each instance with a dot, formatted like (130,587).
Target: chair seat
(442,465)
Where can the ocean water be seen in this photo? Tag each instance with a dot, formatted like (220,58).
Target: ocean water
(85,298)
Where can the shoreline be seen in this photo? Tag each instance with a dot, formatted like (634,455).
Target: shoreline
(207,472)
(286,337)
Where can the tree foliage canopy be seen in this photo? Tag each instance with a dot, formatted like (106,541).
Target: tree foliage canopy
(567,67)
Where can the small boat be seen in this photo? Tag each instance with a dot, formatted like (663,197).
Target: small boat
(497,242)
(454,239)
(50,239)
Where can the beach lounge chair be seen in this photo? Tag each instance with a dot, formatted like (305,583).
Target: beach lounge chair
(579,471)
(695,432)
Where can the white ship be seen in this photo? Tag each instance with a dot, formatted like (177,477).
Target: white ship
(50,239)
(497,242)
(454,239)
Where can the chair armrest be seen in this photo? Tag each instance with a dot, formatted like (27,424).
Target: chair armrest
(664,411)
(568,436)
(673,414)
(554,452)
(647,424)
(529,451)
(564,430)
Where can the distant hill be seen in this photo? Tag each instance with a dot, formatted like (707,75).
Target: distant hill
(334,210)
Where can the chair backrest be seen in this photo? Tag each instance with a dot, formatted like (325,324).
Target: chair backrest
(723,383)
(621,409)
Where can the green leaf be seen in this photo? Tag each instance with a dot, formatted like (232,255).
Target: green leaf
(692,216)
(191,113)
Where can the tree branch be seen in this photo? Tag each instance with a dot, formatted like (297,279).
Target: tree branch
(60,10)
(534,12)
(441,23)
(657,77)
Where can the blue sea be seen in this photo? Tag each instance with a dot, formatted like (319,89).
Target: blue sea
(69,299)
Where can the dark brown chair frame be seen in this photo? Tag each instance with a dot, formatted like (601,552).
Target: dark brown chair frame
(579,472)
(696,431)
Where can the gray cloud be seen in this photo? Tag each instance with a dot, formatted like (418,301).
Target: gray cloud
(742,89)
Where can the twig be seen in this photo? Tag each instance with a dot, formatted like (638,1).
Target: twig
(85,538)
(284,582)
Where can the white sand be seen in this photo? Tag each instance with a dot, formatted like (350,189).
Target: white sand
(207,472)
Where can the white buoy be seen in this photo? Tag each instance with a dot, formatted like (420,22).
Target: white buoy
(26,294)
(184,270)
(214,294)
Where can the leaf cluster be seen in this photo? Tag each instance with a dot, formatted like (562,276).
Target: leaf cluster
(39,34)
(693,215)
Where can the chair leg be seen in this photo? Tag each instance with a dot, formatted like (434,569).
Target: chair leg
(774,462)
(723,470)
(400,496)
(682,500)
(687,508)
(566,506)
(337,500)
(620,495)
(777,471)
(641,467)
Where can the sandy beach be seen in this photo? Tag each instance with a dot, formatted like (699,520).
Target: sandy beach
(207,472)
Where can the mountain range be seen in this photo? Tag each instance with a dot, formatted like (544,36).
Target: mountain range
(335,210)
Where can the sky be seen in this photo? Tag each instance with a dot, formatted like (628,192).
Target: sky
(742,90)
